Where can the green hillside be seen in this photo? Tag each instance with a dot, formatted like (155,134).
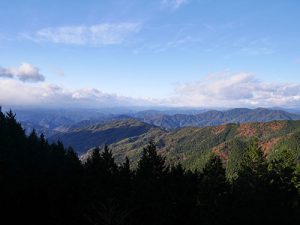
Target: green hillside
(84,138)
(42,183)
(193,146)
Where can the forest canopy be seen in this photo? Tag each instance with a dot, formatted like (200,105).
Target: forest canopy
(46,183)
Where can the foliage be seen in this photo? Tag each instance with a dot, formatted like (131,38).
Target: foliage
(42,183)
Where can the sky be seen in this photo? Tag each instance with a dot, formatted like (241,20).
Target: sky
(195,53)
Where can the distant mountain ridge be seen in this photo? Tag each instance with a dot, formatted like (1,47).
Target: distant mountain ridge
(57,122)
(214,118)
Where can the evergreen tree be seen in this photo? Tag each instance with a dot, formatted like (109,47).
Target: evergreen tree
(149,186)
(254,167)
(42,183)
(93,163)
(181,192)
(151,165)
(125,180)
(108,162)
(251,187)
(73,163)
(214,192)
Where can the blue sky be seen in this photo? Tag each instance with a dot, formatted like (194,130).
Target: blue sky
(160,52)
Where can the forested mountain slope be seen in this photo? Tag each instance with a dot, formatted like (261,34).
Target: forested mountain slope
(42,183)
(99,134)
(192,146)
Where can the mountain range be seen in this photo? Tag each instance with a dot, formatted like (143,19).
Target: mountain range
(188,138)
(192,146)
(214,117)
(51,122)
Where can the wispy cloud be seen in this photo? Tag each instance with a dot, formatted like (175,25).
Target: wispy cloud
(255,51)
(236,90)
(177,43)
(25,73)
(255,47)
(94,35)
(57,70)
(174,3)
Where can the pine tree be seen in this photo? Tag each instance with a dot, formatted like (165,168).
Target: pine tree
(253,165)
(73,162)
(151,165)
(108,162)
(149,192)
(93,162)
(213,191)
(250,189)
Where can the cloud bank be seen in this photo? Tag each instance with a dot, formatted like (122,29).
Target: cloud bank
(25,86)
(95,35)
(26,73)
(17,93)
(236,90)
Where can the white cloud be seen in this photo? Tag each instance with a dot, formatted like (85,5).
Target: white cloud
(236,90)
(17,93)
(4,72)
(95,35)
(26,73)
(216,90)
(174,3)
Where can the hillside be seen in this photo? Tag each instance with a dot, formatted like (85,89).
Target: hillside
(51,181)
(192,146)
(99,134)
